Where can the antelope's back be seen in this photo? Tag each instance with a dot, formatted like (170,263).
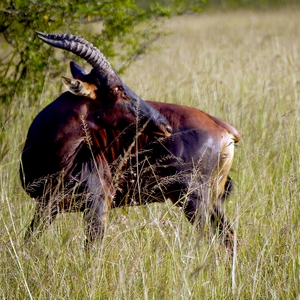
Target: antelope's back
(194,130)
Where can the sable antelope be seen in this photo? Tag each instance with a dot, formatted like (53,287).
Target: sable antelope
(62,165)
(190,167)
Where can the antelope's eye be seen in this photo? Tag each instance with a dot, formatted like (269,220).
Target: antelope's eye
(116,90)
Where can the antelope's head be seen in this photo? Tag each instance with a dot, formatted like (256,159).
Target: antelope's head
(118,104)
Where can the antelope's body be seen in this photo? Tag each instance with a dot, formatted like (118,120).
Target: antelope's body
(100,146)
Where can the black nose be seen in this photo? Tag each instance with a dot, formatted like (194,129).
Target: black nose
(169,129)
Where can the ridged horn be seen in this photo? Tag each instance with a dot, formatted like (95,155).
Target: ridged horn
(84,49)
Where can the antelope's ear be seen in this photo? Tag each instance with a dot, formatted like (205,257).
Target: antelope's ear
(77,71)
(79,88)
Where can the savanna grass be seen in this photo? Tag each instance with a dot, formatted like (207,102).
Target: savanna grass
(241,66)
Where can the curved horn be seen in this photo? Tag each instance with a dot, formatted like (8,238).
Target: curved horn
(82,48)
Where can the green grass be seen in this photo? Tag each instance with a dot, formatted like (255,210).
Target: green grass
(243,67)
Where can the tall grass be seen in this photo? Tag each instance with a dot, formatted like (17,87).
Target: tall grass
(240,66)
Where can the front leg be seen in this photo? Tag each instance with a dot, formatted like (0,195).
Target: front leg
(96,219)
(44,215)
(99,200)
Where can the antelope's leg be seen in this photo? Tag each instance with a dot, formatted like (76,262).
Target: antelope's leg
(43,216)
(196,211)
(99,200)
(96,218)
(223,227)
(193,200)
(219,222)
